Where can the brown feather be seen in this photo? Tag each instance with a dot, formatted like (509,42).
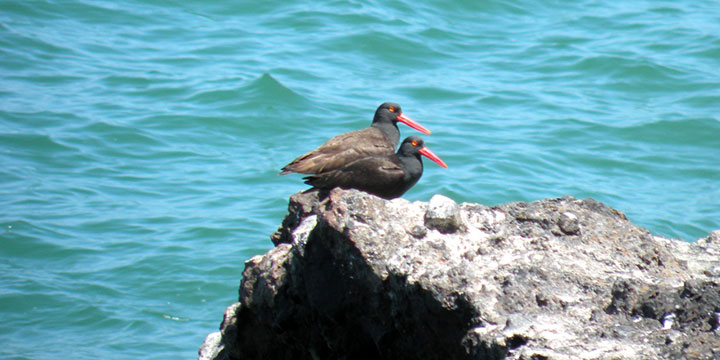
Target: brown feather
(340,151)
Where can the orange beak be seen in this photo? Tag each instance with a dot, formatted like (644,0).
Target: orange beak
(411,123)
(430,155)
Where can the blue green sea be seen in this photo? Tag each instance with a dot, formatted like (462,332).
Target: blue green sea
(140,141)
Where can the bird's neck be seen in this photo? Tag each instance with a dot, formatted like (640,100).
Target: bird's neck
(412,163)
(390,130)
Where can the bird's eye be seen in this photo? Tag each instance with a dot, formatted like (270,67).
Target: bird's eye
(391,109)
(414,143)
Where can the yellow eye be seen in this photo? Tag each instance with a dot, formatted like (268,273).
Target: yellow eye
(414,143)
(391,109)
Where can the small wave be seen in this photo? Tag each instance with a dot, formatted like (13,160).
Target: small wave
(389,48)
(267,89)
(700,132)
(119,134)
(32,240)
(33,144)
(629,69)
(435,93)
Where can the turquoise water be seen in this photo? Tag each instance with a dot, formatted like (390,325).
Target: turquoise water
(140,141)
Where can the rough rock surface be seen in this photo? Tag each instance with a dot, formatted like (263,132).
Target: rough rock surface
(353,276)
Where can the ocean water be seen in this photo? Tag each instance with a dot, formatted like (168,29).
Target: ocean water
(140,141)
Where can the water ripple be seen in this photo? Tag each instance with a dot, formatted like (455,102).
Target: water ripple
(140,142)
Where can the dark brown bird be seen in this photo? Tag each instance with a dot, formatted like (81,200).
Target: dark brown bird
(380,138)
(387,176)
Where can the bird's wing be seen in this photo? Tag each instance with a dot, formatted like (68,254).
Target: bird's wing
(370,173)
(340,151)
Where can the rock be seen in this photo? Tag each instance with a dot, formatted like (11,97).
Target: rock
(443,214)
(221,345)
(354,276)
(568,223)
(300,207)
(212,347)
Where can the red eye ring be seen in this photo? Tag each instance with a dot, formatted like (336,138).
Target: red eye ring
(391,109)
(414,143)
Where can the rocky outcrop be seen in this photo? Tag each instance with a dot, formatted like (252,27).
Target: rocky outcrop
(353,276)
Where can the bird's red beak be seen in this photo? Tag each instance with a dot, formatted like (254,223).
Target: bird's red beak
(430,155)
(411,123)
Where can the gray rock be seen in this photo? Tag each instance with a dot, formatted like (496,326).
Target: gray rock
(354,276)
(212,347)
(300,206)
(443,214)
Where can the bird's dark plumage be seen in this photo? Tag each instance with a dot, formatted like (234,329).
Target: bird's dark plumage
(378,139)
(387,176)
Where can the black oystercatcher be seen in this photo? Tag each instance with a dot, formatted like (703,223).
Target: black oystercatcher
(378,139)
(387,176)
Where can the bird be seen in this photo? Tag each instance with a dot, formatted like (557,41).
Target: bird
(380,138)
(387,176)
